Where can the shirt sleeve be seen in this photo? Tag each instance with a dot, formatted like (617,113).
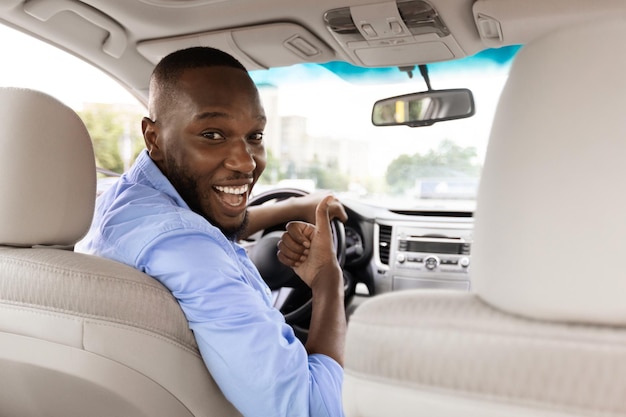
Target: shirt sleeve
(252,354)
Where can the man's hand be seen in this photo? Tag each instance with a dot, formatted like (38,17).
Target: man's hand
(302,208)
(309,249)
(308,205)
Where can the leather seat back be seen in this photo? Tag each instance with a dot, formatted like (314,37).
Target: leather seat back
(80,335)
(543,332)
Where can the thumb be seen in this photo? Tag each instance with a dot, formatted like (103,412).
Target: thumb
(322,216)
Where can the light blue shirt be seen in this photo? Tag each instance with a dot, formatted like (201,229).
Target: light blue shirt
(252,354)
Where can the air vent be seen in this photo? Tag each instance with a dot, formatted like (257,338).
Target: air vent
(384,243)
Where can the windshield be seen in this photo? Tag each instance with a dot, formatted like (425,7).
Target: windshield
(320,134)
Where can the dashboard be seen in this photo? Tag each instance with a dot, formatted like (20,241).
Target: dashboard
(396,250)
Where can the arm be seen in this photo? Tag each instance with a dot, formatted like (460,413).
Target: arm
(252,354)
(309,251)
(293,208)
(255,358)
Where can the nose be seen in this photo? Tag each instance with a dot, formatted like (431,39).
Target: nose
(241,157)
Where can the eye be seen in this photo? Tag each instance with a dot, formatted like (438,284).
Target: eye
(211,135)
(256,137)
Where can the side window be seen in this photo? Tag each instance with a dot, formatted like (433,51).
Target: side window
(112,115)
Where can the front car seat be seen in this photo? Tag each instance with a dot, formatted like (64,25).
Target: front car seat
(543,332)
(79,335)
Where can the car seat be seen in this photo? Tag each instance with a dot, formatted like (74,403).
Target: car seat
(543,330)
(79,335)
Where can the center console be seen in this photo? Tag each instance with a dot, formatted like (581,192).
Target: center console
(429,252)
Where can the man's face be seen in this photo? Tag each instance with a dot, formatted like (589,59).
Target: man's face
(209,144)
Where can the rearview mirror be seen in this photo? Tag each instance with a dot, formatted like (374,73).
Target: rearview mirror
(424,108)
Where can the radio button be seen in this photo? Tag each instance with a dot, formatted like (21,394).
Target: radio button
(431,262)
(464,262)
(400,258)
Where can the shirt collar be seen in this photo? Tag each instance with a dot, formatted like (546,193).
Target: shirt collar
(147,172)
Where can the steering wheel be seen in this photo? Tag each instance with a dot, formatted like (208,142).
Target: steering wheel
(291,295)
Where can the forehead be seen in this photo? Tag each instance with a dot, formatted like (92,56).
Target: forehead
(218,85)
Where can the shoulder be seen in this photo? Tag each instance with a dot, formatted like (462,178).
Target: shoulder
(134,216)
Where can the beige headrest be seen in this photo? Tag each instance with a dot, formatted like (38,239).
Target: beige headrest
(47,171)
(550,231)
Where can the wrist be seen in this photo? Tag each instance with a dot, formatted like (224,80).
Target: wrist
(291,209)
(328,280)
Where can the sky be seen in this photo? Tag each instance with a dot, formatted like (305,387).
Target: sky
(34,64)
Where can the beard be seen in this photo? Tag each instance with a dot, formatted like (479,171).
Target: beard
(188,188)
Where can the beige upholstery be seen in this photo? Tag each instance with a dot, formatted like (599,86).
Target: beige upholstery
(79,335)
(543,332)
(37,167)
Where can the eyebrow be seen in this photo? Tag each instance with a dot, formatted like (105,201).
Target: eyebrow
(217,114)
(212,115)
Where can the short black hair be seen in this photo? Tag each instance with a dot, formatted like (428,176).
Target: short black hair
(195,57)
(163,82)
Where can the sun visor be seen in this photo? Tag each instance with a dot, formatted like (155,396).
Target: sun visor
(257,47)
(514,22)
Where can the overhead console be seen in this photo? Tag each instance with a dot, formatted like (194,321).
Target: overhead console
(406,32)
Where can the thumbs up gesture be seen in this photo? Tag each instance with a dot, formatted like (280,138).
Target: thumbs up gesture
(308,248)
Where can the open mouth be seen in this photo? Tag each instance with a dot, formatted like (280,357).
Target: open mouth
(233,196)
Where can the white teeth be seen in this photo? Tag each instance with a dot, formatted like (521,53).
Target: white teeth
(233,190)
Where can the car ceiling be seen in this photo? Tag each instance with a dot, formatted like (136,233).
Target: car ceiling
(125,38)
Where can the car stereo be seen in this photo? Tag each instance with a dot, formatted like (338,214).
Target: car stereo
(435,255)
(446,253)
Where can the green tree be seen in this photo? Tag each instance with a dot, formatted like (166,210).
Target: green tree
(447,161)
(400,172)
(328,177)
(108,124)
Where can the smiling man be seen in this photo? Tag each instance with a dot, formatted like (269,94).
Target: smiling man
(177,215)
(209,141)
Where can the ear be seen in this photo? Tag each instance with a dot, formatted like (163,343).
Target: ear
(151,138)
